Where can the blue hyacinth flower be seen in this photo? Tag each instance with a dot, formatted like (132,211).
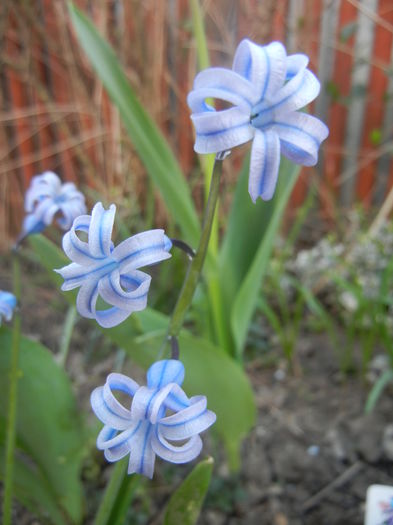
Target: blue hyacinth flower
(100,269)
(142,428)
(46,197)
(264,89)
(7,305)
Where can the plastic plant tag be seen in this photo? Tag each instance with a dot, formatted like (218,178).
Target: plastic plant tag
(379,505)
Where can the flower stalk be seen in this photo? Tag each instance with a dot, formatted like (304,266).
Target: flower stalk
(196,265)
(12,400)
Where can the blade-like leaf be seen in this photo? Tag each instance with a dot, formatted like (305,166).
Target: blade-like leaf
(186,502)
(48,426)
(148,141)
(246,298)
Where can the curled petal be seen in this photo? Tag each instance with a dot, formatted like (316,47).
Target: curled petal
(75,274)
(143,249)
(264,165)
(164,372)
(100,230)
(221,130)
(302,89)
(133,298)
(300,137)
(223,140)
(142,456)
(263,66)
(117,421)
(231,83)
(188,422)
(296,63)
(77,250)
(117,445)
(176,454)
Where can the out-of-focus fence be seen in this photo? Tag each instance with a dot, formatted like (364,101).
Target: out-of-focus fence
(55,114)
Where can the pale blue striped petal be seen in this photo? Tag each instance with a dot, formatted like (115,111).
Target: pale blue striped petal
(302,89)
(300,137)
(143,249)
(176,454)
(133,298)
(87,298)
(105,414)
(7,305)
(188,422)
(164,372)
(223,140)
(100,230)
(264,66)
(296,63)
(264,165)
(142,456)
(229,82)
(76,249)
(117,444)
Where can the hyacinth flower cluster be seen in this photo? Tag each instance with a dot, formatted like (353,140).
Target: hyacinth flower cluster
(145,430)
(265,89)
(7,305)
(45,198)
(99,268)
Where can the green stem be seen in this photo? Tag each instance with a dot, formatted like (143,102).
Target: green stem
(111,492)
(12,401)
(196,265)
(65,341)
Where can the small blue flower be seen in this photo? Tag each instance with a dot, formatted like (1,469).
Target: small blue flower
(143,429)
(7,305)
(100,269)
(47,196)
(264,89)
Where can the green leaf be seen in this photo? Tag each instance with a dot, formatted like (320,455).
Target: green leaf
(247,223)
(209,371)
(246,298)
(377,389)
(148,141)
(34,491)
(49,432)
(186,502)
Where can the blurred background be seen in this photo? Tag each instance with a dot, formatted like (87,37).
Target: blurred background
(56,116)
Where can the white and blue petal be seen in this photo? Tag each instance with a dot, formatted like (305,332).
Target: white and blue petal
(117,445)
(7,305)
(300,137)
(132,297)
(223,84)
(264,165)
(176,453)
(218,131)
(100,230)
(164,372)
(187,422)
(143,249)
(142,456)
(302,89)
(264,66)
